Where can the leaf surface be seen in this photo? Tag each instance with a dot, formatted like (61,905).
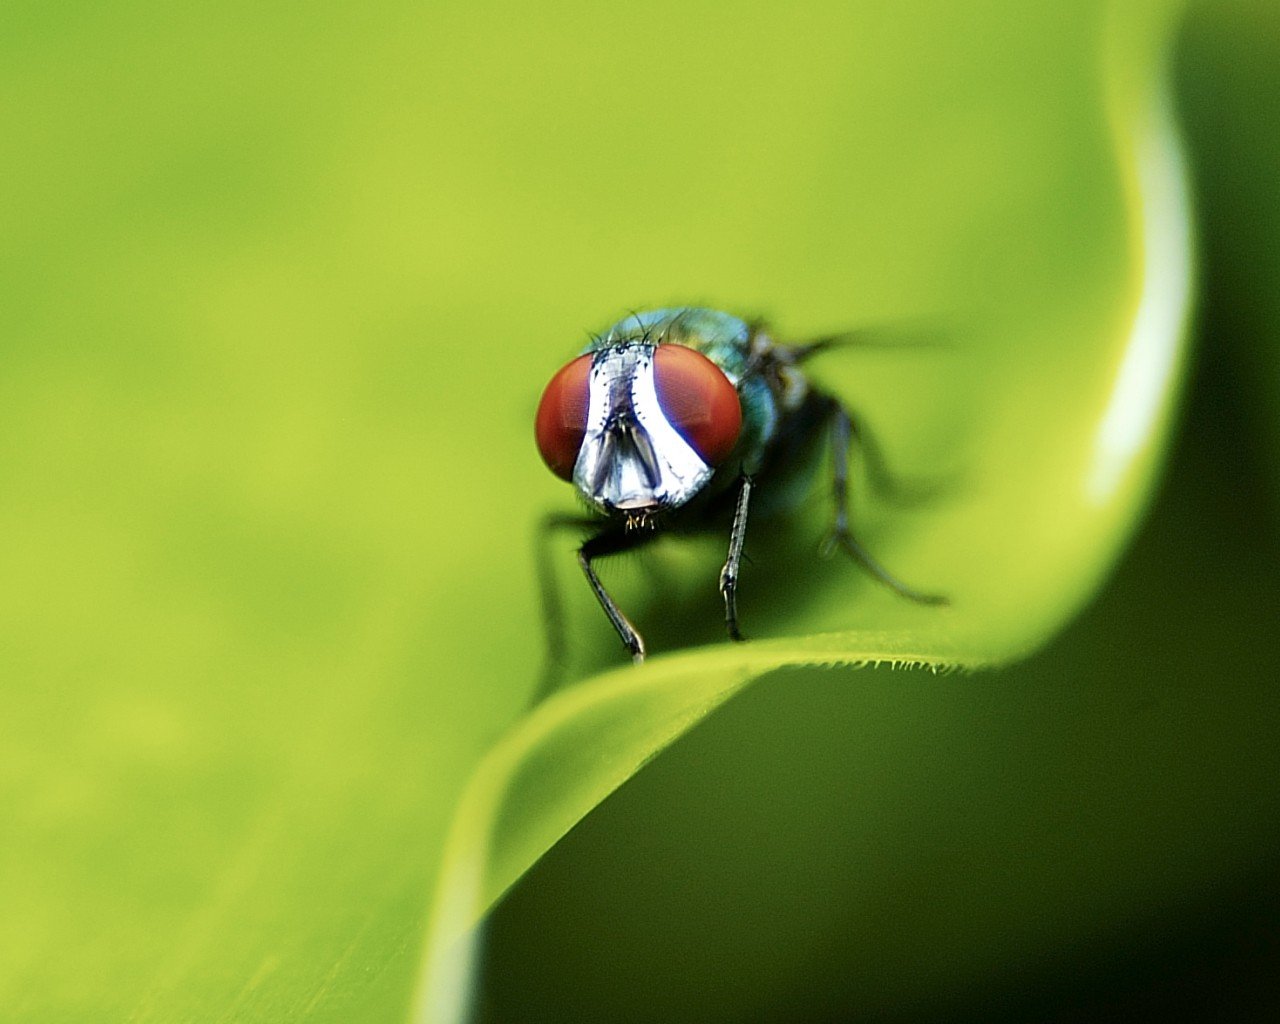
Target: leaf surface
(1050,417)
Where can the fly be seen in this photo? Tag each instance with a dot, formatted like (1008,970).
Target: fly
(676,419)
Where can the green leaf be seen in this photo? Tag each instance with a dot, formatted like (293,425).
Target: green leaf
(1051,413)
(1096,827)
(289,283)
(1230,88)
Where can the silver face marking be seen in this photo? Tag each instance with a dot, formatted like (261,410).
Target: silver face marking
(632,458)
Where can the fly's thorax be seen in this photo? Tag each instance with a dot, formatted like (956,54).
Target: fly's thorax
(760,422)
(723,338)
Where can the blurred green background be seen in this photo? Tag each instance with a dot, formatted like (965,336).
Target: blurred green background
(281,287)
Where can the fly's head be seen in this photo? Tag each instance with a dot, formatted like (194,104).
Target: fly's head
(638,428)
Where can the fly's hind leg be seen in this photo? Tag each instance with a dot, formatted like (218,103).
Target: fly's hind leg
(884,484)
(841,537)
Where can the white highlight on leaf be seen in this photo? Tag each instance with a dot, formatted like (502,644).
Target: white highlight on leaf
(1151,357)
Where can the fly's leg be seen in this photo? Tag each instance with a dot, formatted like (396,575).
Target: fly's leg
(882,481)
(842,431)
(891,336)
(608,541)
(553,665)
(611,542)
(729,574)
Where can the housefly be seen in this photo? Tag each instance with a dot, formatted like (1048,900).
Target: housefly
(675,419)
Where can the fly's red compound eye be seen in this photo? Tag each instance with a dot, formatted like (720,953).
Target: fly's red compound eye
(698,400)
(562,417)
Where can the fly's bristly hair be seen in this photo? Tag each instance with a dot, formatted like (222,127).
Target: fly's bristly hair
(671,325)
(640,519)
(633,314)
(634,520)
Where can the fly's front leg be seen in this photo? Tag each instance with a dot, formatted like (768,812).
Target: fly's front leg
(842,430)
(610,543)
(729,574)
(554,659)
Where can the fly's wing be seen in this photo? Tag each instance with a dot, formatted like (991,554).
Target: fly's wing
(916,333)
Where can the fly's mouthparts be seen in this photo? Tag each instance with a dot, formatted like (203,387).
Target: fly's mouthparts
(639,519)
